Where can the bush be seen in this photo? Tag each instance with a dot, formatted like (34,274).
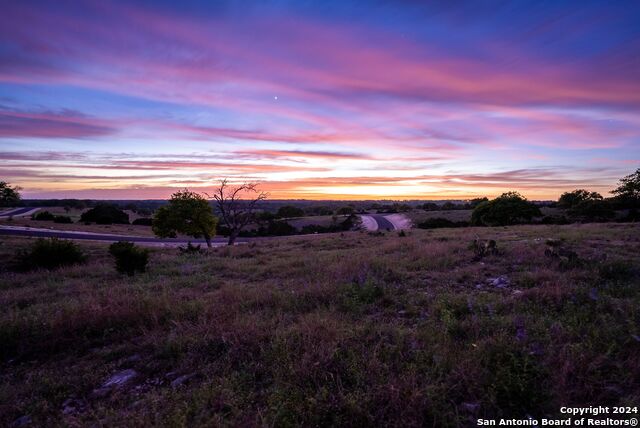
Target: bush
(105,214)
(280,228)
(129,257)
(50,254)
(43,216)
(508,208)
(64,219)
(143,221)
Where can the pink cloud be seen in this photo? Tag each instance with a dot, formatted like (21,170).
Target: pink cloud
(51,125)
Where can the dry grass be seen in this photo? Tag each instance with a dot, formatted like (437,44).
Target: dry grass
(356,329)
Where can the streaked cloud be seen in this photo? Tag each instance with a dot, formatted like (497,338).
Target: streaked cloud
(387,99)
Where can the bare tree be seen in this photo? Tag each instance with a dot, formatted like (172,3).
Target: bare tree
(236,211)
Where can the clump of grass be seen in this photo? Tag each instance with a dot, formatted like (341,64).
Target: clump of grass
(129,258)
(484,248)
(516,382)
(49,254)
(360,294)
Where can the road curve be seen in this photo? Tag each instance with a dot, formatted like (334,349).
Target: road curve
(18,211)
(105,237)
(383,223)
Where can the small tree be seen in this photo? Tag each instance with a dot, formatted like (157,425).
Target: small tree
(508,208)
(235,211)
(628,190)
(9,196)
(188,213)
(572,199)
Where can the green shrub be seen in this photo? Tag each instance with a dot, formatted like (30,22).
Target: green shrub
(62,219)
(516,382)
(129,257)
(50,253)
(359,294)
(105,214)
(43,216)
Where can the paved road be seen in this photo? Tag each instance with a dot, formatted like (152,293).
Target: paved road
(17,211)
(383,223)
(105,237)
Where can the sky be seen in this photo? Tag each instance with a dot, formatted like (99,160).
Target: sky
(319,99)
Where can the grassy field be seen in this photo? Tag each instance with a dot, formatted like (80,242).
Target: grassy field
(134,230)
(116,229)
(346,330)
(418,216)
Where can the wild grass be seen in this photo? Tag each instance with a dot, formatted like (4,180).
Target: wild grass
(338,330)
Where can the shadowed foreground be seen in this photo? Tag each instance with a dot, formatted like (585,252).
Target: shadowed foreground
(359,329)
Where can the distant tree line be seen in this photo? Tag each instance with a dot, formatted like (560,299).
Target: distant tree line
(579,205)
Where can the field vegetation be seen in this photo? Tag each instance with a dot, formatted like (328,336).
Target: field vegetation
(428,328)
